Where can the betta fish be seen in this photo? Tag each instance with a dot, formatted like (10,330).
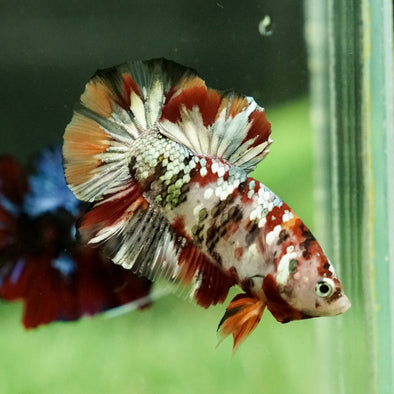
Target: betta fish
(164,162)
(41,263)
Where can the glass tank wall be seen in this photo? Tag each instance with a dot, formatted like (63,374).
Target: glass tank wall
(351,57)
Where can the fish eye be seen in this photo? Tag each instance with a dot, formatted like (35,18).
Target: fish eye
(325,287)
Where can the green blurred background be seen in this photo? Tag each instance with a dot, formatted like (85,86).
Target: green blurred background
(48,53)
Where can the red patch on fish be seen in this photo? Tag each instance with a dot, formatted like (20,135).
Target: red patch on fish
(280,309)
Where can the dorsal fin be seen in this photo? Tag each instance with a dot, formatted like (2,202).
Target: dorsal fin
(121,103)
(228,126)
(118,105)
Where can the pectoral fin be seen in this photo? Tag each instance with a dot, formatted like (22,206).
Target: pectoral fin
(241,318)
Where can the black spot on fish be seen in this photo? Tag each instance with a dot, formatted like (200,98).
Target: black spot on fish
(235,213)
(180,174)
(283,236)
(222,206)
(182,198)
(198,238)
(222,231)
(309,238)
(253,231)
(132,163)
(217,209)
(159,170)
(242,186)
(216,256)
(337,294)
(212,237)
(194,171)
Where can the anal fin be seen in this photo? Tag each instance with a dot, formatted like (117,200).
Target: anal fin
(211,283)
(241,318)
(135,235)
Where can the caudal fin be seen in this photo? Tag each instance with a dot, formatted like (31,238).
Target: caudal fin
(241,318)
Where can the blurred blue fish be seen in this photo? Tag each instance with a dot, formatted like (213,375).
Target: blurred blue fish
(48,190)
(41,263)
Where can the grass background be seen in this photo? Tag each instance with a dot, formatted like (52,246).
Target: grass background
(171,347)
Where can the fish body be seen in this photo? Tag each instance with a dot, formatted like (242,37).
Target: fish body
(165,162)
(214,206)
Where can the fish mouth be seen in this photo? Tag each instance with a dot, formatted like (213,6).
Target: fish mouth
(342,305)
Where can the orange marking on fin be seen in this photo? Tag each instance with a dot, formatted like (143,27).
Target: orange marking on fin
(187,83)
(139,203)
(237,105)
(290,224)
(241,318)
(83,140)
(97,97)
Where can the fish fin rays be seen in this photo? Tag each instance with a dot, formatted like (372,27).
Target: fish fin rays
(134,235)
(121,103)
(241,318)
(211,283)
(228,126)
(130,232)
(118,105)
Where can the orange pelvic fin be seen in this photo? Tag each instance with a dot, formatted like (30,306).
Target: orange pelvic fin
(241,318)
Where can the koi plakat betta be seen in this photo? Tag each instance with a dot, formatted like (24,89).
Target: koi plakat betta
(164,162)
